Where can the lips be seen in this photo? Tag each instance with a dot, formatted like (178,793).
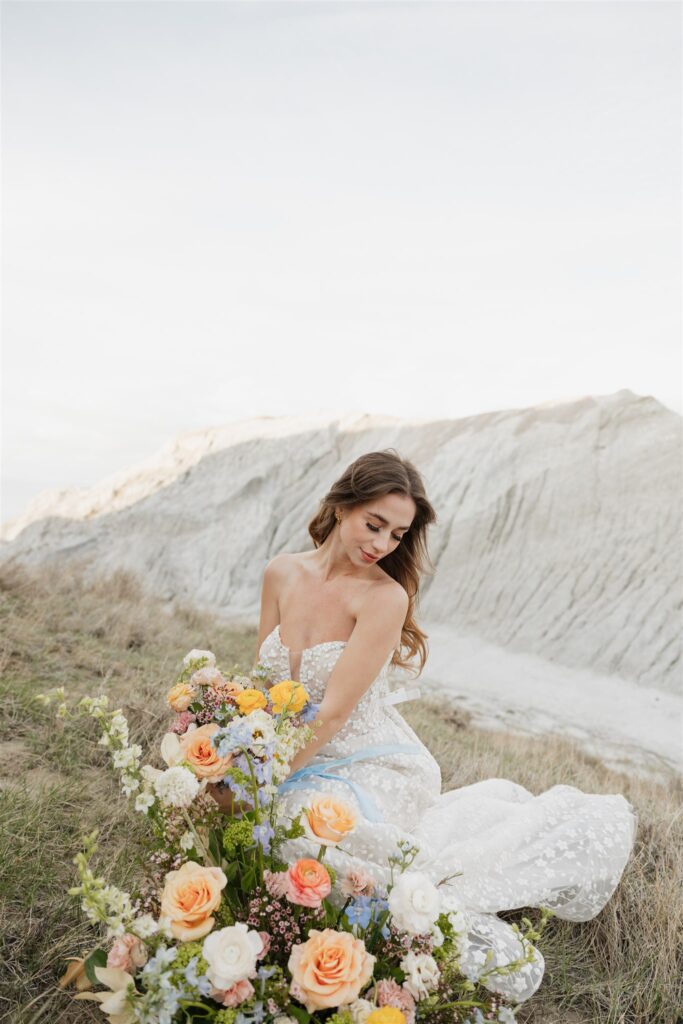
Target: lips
(370,558)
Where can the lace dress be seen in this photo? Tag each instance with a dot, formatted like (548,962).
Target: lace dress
(564,849)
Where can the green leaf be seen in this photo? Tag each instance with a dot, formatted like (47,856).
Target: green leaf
(98,958)
(298,1011)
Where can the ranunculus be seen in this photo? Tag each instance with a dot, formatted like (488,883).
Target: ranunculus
(197,749)
(390,993)
(195,655)
(328,819)
(213,679)
(231,955)
(414,902)
(190,896)
(309,883)
(330,968)
(181,696)
(127,953)
(387,1015)
(236,994)
(288,694)
(422,974)
(357,882)
(250,700)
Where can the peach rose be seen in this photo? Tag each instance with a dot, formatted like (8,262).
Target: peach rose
(288,694)
(128,952)
(309,883)
(181,696)
(190,896)
(250,700)
(197,749)
(330,968)
(327,819)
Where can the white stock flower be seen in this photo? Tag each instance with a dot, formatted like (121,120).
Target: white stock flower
(262,729)
(144,926)
(129,784)
(283,1018)
(143,801)
(127,757)
(414,903)
(231,955)
(186,841)
(360,1010)
(195,655)
(422,974)
(177,787)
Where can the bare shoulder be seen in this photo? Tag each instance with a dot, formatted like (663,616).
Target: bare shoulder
(280,566)
(383,611)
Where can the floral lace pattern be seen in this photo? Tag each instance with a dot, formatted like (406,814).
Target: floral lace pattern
(505,847)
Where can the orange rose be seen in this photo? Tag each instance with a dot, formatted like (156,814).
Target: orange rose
(288,694)
(197,749)
(328,819)
(181,696)
(190,896)
(330,968)
(250,700)
(309,883)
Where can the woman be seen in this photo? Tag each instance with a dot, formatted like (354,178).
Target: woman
(335,619)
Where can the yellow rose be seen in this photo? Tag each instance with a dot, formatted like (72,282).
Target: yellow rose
(181,696)
(190,896)
(386,1015)
(330,968)
(250,700)
(327,819)
(288,694)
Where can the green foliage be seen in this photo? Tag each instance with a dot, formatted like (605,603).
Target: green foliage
(237,835)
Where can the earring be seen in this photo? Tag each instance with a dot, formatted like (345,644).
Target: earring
(337,517)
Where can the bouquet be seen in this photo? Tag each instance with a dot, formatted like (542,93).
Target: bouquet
(222,928)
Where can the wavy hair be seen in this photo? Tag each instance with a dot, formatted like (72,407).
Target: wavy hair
(371,476)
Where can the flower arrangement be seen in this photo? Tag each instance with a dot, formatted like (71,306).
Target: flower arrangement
(222,929)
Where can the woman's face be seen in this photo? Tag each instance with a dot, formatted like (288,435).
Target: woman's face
(376,527)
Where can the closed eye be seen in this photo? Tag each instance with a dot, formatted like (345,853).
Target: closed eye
(375,529)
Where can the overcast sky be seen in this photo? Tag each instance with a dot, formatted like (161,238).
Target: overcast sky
(219,210)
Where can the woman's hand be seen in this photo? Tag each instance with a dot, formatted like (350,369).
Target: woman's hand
(225,799)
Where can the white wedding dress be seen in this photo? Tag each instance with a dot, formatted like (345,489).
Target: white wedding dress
(564,848)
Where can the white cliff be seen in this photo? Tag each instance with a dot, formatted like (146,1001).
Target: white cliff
(559,531)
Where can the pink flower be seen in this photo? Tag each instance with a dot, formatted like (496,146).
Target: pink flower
(127,953)
(182,721)
(265,939)
(236,994)
(309,883)
(390,993)
(277,882)
(357,882)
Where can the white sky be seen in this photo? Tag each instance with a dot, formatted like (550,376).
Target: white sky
(219,210)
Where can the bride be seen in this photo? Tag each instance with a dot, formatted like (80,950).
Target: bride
(337,618)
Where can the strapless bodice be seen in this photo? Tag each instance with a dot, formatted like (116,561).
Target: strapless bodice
(315,669)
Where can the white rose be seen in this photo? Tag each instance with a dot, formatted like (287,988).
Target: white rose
(231,955)
(414,903)
(195,655)
(360,1010)
(422,974)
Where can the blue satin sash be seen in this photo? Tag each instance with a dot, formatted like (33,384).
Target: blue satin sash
(368,807)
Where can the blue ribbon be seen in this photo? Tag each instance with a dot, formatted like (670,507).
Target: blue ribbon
(370,810)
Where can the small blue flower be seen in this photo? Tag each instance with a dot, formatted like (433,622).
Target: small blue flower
(263,834)
(202,984)
(358,912)
(309,712)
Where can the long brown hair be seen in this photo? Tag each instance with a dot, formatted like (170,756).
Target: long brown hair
(372,476)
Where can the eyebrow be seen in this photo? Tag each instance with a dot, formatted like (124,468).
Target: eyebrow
(386,521)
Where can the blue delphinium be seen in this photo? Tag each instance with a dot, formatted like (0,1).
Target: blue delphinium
(263,833)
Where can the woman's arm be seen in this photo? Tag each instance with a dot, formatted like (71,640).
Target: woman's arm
(375,634)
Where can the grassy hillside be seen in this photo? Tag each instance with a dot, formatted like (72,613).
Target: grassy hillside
(55,785)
